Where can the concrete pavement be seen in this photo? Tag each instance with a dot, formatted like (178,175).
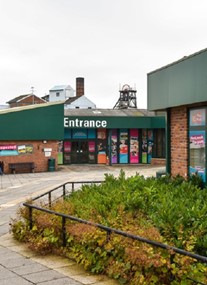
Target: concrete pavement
(18,265)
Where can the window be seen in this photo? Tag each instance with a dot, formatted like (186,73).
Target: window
(197,142)
(159,144)
(57,94)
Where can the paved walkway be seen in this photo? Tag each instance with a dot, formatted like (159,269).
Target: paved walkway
(18,265)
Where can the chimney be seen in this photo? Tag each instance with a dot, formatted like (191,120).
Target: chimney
(79,86)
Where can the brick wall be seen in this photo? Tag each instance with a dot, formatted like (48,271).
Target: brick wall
(158,161)
(179,141)
(37,156)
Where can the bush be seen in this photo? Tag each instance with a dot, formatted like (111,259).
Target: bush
(169,210)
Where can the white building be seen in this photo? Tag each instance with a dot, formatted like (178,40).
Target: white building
(73,99)
(81,102)
(61,93)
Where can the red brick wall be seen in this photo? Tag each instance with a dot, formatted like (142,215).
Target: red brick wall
(179,141)
(158,161)
(37,156)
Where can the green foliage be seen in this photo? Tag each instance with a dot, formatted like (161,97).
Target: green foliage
(169,210)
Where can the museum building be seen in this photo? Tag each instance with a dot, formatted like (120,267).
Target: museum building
(180,89)
(42,133)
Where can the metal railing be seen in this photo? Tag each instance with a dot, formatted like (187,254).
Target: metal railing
(63,190)
(108,230)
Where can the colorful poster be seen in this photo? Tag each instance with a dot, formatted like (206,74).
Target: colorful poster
(123,146)
(197,153)
(11,150)
(91,146)
(150,145)
(144,146)
(134,146)
(101,134)
(60,152)
(101,144)
(67,146)
(197,117)
(114,157)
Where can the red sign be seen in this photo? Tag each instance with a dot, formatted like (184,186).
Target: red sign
(8,146)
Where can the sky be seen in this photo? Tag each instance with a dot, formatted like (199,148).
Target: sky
(110,43)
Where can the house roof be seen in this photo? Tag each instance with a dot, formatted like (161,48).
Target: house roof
(70,100)
(60,87)
(29,107)
(108,112)
(76,98)
(21,97)
(18,98)
(46,97)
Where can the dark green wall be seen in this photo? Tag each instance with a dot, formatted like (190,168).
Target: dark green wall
(180,83)
(38,123)
(46,122)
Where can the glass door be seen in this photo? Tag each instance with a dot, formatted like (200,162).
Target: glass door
(83,152)
(79,151)
(75,152)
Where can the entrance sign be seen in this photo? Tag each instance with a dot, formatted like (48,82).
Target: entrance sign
(77,123)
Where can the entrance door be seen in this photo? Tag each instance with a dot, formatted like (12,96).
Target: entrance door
(79,151)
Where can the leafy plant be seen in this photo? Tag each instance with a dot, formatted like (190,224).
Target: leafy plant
(169,210)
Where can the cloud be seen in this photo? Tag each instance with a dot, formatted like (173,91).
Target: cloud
(110,43)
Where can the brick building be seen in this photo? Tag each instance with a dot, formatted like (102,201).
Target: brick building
(25,100)
(39,133)
(31,135)
(179,89)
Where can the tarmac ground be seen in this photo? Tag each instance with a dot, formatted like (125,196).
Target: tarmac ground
(20,266)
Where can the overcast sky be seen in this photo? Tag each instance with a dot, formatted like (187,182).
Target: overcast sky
(108,42)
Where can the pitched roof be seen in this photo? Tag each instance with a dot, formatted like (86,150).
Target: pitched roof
(60,87)
(109,112)
(70,100)
(29,107)
(18,98)
(21,97)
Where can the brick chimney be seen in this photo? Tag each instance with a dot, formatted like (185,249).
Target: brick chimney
(79,86)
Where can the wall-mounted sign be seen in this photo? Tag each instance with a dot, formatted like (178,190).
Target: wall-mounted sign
(13,149)
(197,117)
(47,149)
(77,123)
(8,146)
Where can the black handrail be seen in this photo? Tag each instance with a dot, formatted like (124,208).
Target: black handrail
(119,232)
(108,230)
(63,186)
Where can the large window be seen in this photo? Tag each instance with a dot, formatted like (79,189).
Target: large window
(158,150)
(197,142)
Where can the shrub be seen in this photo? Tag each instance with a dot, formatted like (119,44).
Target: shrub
(169,210)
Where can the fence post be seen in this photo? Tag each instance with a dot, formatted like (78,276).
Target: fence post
(63,191)
(72,186)
(108,235)
(64,231)
(50,199)
(30,218)
(172,276)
